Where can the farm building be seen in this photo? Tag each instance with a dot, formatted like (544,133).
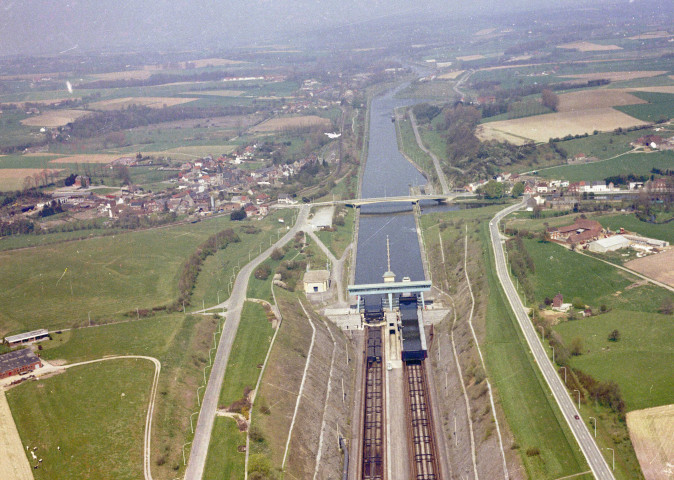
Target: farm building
(17,362)
(581,231)
(316,281)
(646,242)
(609,244)
(27,337)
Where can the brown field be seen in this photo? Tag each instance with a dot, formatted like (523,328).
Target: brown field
(590,99)
(152,102)
(450,75)
(659,266)
(275,124)
(125,75)
(541,128)
(219,93)
(87,158)
(661,89)
(12,178)
(651,35)
(588,47)
(616,76)
(55,118)
(468,58)
(652,434)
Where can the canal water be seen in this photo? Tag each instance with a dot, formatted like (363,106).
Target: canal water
(387,173)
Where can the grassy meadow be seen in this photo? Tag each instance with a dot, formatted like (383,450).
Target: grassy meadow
(248,351)
(224,461)
(107,276)
(635,163)
(179,342)
(97,424)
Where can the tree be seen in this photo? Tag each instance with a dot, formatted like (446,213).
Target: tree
(237,214)
(517,190)
(492,189)
(576,346)
(614,336)
(276,254)
(550,99)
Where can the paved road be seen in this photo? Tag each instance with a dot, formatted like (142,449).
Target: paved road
(438,169)
(594,456)
(461,81)
(209,404)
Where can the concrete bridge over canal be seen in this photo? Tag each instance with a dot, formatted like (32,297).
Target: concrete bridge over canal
(412,199)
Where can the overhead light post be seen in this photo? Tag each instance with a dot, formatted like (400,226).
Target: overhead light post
(199,401)
(613,458)
(595,426)
(578,391)
(564,374)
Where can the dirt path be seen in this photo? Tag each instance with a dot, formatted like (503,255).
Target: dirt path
(479,351)
(13,461)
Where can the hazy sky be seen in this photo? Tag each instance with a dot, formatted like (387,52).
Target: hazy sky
(53,26)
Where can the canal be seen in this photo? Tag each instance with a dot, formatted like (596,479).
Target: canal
(387,173)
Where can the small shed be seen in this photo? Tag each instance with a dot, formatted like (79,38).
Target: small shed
(27,337)
(17,362)
(316,281)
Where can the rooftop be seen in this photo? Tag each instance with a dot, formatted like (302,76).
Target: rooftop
(316,276)
(17,359)
(27,335)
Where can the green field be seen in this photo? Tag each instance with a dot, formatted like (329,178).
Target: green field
(93,413)
(660,106)
(248,351)
(559,270)
(635,163)
(640,362)
(223,461)
(632,224)
(603,145)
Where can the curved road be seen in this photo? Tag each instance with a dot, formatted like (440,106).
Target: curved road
(593,455)
(209,404)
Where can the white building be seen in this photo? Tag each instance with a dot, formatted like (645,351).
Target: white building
(316,281)
(609,244)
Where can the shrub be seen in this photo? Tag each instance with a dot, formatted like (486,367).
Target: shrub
(614,336)
(263,272)
(533,451)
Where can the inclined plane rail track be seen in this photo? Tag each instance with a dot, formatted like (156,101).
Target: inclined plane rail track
(372,467)
(423,451)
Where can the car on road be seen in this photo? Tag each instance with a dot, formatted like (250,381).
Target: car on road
(576,417)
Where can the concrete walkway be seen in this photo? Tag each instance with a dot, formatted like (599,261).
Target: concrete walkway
(209,404)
